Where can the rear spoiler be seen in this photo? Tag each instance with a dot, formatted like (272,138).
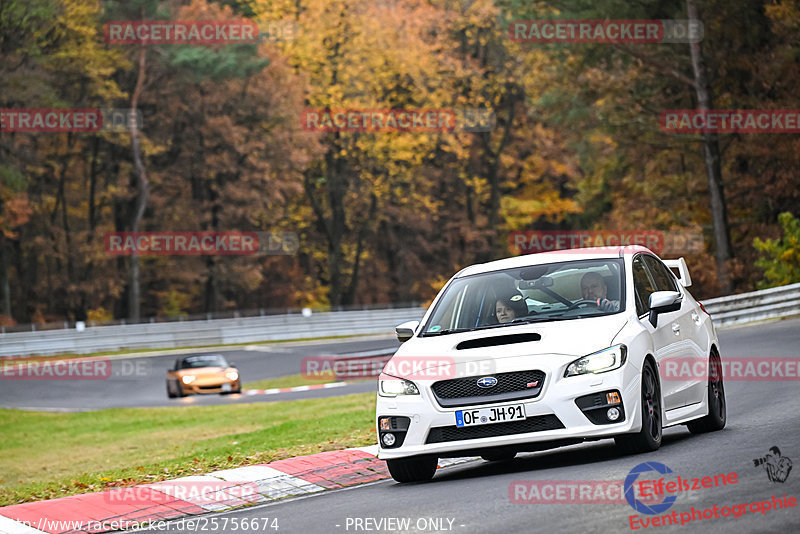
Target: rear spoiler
(683,271)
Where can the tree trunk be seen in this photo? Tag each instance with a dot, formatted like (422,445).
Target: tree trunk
(719,214)
(350,294)
(134,296)
(4,285)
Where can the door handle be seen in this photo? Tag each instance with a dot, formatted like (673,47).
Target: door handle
(695,318)
(676,328)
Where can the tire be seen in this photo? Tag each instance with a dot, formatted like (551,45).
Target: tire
(170,394)
(648,439)
(419,469)
(178,391)
(717,406)
(499,456)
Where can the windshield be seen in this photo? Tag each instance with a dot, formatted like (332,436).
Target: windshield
(203,361)
(539,293)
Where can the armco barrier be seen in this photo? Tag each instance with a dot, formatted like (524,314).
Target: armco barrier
(214,332)
(743,308)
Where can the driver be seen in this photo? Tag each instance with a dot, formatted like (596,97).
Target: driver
(594,288)
(510,307)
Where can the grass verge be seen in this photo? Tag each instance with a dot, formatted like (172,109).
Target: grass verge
(49,455)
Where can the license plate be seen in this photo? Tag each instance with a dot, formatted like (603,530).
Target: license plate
(226,387)
(487,416)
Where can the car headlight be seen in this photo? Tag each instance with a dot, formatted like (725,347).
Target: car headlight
(188,379)
(601,361)
(391,387)
(232,375)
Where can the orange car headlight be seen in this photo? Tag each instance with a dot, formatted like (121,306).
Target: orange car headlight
(232,375)
(188,379)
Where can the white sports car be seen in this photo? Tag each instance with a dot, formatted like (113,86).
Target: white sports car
(546,350)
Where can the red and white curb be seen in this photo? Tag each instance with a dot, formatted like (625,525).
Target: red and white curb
(274,391)
(218,491)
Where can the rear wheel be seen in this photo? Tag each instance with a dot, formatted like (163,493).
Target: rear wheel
(717,412)
(412,469)
(648,439)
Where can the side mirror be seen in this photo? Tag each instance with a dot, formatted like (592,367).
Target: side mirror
(683,271)
(664,302)
(406,331)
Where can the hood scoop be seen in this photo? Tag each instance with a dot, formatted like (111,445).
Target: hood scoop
(497,340)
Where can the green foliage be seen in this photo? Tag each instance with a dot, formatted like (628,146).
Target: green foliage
(780,259)
(236,61)
(12,179)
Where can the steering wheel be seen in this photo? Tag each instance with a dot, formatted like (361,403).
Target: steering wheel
(583,302)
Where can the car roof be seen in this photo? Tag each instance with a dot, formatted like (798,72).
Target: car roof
(555,256)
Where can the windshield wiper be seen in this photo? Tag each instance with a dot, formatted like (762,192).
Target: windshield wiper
(446,331)
(515,322)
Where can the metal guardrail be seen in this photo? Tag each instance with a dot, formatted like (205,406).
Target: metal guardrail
(213,332)
(725,311)
(743,308)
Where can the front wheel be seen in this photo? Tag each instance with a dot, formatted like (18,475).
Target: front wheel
(648,439)
(413,469)
(717,413)
(174,392)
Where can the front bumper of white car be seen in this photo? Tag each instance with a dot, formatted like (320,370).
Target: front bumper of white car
(563,408)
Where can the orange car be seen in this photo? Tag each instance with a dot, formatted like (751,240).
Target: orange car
(203,373)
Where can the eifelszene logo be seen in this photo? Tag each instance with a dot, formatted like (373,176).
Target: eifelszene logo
(637,504)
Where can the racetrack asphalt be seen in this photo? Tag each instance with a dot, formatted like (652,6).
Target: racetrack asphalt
(141,381)
(476,497)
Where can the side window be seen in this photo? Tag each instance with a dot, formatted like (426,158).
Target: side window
(661,275)
(642,285)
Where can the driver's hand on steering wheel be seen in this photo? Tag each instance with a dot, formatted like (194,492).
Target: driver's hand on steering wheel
(607,305)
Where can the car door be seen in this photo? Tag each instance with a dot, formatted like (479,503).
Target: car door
(665,343)
(686,321)
(681,325)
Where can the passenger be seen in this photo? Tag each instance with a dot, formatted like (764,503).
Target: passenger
(594,288)
(511,307)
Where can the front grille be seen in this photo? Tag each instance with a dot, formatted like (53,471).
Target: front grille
(538,423)
(510,386)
